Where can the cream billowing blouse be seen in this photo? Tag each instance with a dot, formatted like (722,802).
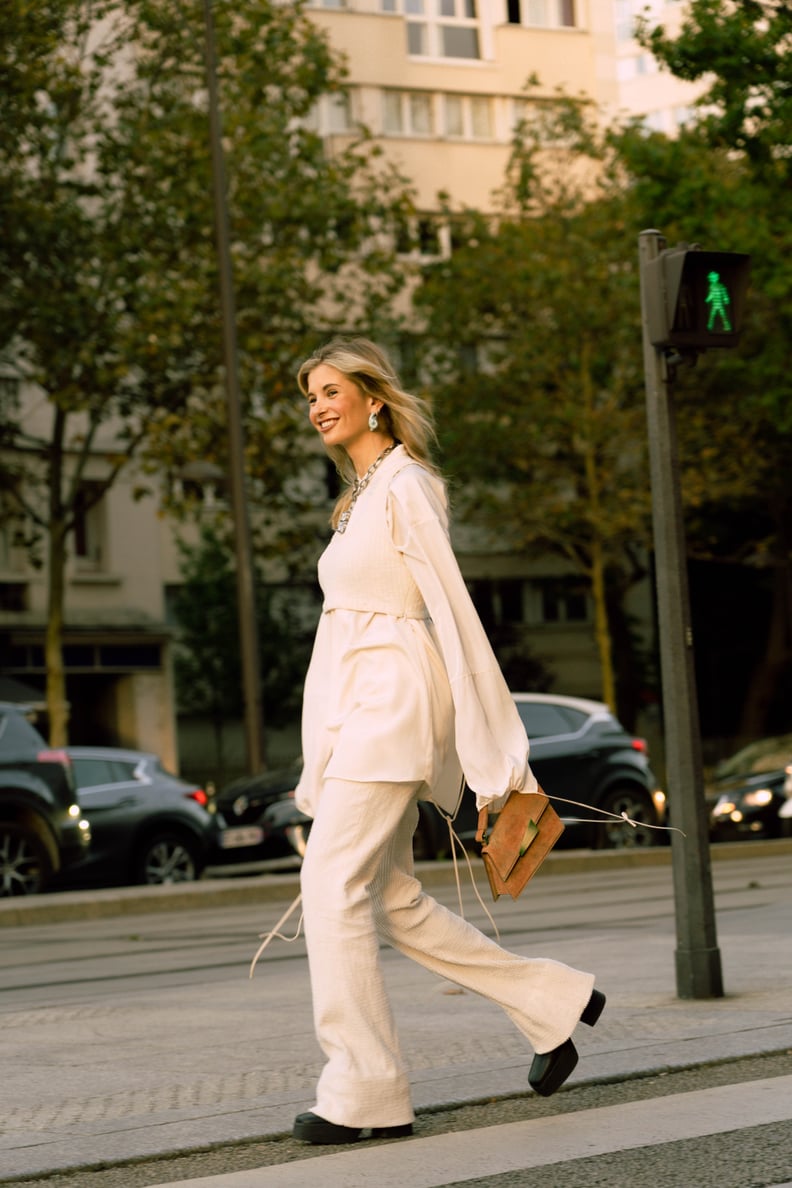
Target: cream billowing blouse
(403,684)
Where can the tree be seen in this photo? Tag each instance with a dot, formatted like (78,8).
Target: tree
(742,51)
(108,299)
(207,664)
(724,182)
(539,387)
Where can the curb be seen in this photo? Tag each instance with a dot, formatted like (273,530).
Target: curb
(230,892)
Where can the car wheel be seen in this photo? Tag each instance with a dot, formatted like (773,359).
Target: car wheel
(638,806)
(25,866)
(167,857)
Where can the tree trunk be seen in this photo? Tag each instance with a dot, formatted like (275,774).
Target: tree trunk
(57,705)
(601,628)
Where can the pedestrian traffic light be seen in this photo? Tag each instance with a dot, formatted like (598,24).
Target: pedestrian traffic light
(695,299)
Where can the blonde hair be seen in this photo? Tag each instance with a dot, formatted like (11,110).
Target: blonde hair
(405,416)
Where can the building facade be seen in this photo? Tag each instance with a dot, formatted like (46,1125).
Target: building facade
(442,84)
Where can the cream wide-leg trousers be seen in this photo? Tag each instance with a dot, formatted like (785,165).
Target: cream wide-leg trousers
(358,886)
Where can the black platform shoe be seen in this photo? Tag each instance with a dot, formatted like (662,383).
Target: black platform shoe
(551,1069)
(392,1131)
(594,1008)
(311,1128)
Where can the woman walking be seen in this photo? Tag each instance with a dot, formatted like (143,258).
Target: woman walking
(403,695)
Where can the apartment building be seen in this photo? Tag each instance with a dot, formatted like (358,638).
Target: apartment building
(441,84)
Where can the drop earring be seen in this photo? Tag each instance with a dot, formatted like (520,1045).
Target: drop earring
(373,421)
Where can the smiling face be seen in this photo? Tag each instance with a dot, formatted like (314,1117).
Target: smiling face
(339,411)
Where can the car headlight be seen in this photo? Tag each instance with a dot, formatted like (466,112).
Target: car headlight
(758,798)
(724,808)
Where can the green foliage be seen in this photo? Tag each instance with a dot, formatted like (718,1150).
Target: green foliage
(538,380)
(725,183)
(208,664)
(207,661)
(109,280)
(742,51)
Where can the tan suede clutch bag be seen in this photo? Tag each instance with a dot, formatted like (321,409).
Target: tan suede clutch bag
(524,833)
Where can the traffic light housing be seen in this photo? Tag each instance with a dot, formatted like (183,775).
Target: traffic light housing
(695,299)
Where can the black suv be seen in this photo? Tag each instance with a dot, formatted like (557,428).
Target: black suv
(582,754)
(42,830)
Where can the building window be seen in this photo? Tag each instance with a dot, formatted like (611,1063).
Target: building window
(481,117)
(439,28)
(467,117)
(655,121)
(521,110)
(564,600)
(13,596)
(13,540)
(331,114)
(627,14)
(454,116)
(407,113)
(499,602)
(9,396)
(338,115)
(542,14)
(419,235)
(89,526)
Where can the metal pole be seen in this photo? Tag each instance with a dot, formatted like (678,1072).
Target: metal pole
(246,600)
(698,965)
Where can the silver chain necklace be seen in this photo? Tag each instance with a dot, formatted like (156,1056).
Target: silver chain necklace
(360,486)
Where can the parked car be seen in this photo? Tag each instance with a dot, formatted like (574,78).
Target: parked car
(42,828)
(147,826)
(264,826)
(579,752)
(749,790)
(242,804)
(285,830)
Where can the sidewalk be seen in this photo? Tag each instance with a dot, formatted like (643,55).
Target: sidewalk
(216,1058)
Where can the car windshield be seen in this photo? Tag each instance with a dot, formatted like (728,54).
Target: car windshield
(768,754)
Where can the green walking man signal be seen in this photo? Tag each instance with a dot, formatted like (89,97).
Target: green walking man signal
(695,299)
(717,299)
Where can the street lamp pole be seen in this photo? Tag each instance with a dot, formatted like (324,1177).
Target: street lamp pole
(246,600)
